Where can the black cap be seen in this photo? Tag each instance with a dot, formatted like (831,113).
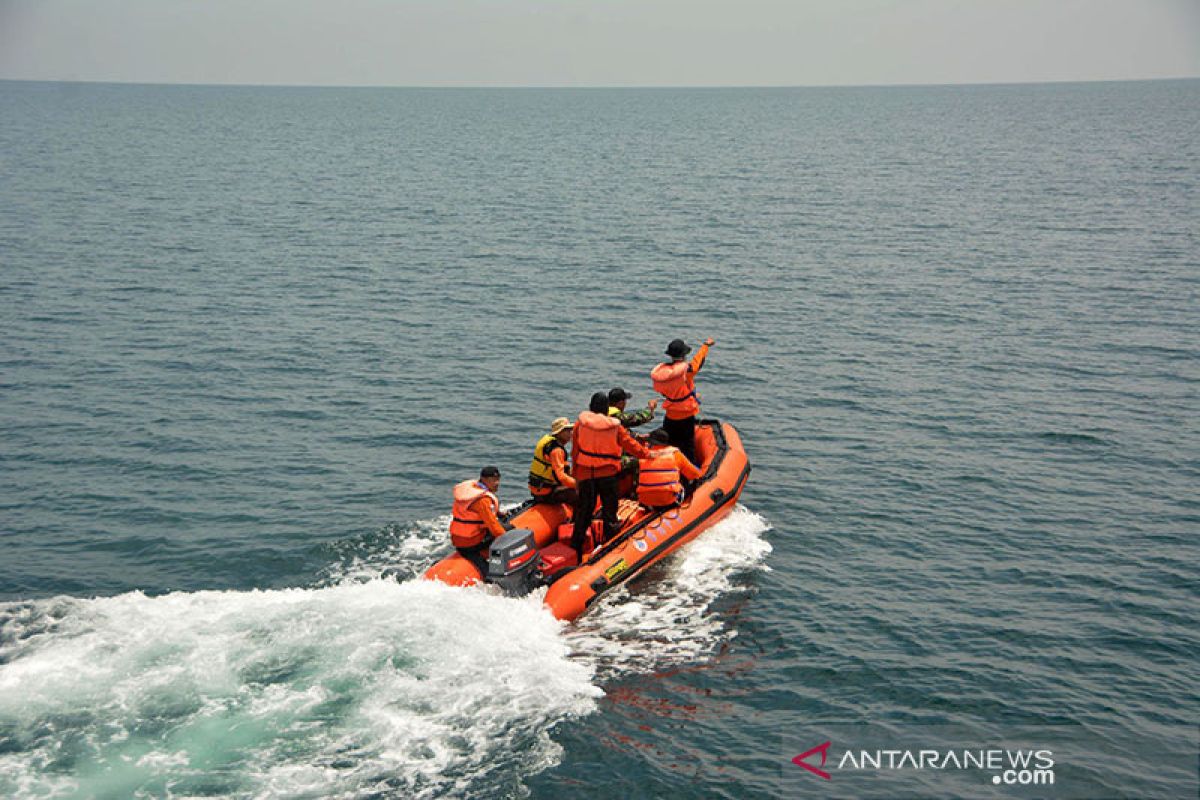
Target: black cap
(660,436)
(489,472)
(678,348)
(617,394)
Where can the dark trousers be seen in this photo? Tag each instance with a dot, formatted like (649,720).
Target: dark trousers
(607,489)
(683,435)
(477,556)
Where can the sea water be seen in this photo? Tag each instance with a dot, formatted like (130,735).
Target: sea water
(250,337)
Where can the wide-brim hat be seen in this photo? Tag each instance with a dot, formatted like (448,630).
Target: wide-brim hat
(559,425)
(677,348)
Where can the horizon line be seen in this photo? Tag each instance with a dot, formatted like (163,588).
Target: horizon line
(1046,82)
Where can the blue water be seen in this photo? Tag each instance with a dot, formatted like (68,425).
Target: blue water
(249,337)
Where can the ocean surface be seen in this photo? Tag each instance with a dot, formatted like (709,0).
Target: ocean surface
(250,337)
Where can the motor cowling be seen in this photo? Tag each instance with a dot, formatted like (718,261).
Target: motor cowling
(512,560)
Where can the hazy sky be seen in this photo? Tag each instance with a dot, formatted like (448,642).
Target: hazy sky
(598,42)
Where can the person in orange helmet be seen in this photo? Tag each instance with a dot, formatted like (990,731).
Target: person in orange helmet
(473,522)
(659,485)
(597,442)
(675,380)
(549,478)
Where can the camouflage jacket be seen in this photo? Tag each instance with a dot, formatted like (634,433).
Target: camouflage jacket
(632,419)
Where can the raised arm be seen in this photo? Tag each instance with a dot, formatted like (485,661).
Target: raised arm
(701,354)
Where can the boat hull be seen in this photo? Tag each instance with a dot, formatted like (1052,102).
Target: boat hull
(644,538)
(649,541)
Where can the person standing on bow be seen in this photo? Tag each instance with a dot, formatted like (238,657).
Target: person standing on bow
(549,478)
(597,442)
(474,523)
(675,380)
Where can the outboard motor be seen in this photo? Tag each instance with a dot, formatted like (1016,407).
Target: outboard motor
(512,561)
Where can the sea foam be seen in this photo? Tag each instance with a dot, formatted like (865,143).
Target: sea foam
(363,685)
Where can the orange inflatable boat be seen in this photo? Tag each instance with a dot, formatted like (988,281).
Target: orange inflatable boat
(537,551)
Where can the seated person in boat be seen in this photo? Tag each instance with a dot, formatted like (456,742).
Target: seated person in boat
(473,521)
(659,484)
(550,480)
(596,446)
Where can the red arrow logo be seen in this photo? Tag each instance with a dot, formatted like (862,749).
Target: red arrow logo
(823,749)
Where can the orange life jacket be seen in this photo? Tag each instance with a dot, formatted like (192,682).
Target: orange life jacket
(658,478)
(678,385)
(596,441)
(467,528)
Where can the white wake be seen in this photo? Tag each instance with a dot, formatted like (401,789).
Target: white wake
(363,685)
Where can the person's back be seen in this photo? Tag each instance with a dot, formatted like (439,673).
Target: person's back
(596,449)
(676,382)
(659,482)
(550,480)
(474,523)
